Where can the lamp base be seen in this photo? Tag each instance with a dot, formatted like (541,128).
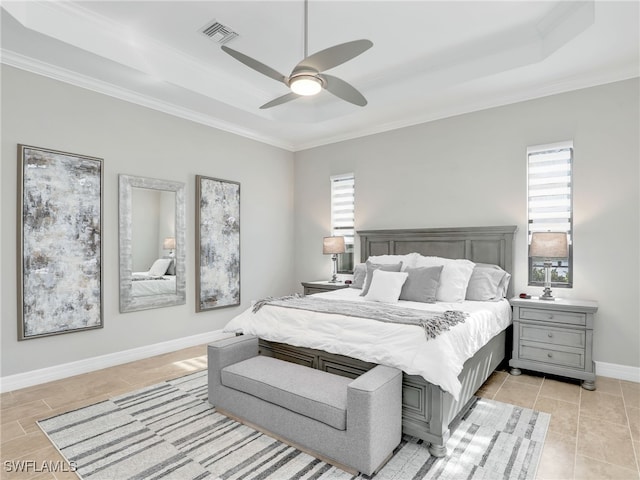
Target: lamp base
(334,277)
(546,295)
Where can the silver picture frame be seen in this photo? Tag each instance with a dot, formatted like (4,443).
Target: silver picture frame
(60,272)
(217,243)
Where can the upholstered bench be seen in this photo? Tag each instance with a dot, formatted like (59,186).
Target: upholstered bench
(352,423)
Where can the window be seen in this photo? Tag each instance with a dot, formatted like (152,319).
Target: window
(342,217)
(550,207)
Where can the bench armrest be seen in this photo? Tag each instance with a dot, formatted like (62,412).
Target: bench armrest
(225,352)
(374,411)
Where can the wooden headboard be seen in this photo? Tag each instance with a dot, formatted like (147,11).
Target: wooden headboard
(478,244)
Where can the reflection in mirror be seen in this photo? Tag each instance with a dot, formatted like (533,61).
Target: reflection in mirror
(152,258)
(152,226)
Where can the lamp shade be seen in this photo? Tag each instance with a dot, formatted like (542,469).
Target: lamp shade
(169,243)
(549,245)
(331,245)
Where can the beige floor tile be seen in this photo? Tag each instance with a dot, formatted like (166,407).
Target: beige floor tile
(526,378)
(608,385)
(631,393)
(558,456)
(7,400)
(564,415)
(565,391)
(518,394)
(84,389)
(603,406)
(606,442)
(11,430)
(25,410)
(41,391)
(491,386)
(633,415)
(592,469)
(21,446)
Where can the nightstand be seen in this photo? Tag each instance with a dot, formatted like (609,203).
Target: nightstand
(554,336)
(321,286)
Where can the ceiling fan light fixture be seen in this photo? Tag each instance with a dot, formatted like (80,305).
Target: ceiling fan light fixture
(305,85)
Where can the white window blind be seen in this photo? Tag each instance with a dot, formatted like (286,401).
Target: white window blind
(550,190)
(343,216)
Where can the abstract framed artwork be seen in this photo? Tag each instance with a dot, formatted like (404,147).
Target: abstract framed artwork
(59,242)
(217,243)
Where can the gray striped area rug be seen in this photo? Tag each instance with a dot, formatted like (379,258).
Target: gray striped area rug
(170,431)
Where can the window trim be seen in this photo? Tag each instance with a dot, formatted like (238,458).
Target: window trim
(349,255)
(568,144)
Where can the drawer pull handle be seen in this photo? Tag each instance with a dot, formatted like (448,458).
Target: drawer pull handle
(550,355)
(550,335)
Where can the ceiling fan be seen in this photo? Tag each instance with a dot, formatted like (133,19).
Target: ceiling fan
(307,77)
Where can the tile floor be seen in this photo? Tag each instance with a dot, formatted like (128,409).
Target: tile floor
(593,435)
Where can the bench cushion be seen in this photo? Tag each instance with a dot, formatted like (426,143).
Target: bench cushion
(313,393)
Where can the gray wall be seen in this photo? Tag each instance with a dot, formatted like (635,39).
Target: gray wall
(471,170)
(138,141)
(462,171)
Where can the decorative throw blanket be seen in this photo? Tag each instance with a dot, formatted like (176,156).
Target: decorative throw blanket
(432,323)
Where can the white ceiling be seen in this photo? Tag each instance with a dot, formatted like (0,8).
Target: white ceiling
(430,59)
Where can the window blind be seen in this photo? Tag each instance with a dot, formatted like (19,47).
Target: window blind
(343,216)
(550,200)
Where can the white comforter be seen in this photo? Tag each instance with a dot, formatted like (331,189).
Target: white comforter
(439,360)
(144,285)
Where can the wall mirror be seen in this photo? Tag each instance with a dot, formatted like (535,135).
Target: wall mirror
(152,243)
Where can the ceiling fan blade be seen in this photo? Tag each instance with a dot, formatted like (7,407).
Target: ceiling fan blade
(334,56)
(277,101)
(342,89)
(254,64)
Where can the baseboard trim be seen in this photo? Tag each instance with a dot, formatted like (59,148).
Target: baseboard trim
(621,372)
(49,374)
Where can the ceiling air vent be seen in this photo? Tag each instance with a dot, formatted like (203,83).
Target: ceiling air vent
(218,32)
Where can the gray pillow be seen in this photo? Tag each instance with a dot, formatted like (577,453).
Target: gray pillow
(421,284)
(487,283)
(172,267)
(359,274)
(394,267)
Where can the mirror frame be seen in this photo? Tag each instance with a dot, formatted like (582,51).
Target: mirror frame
(129,303)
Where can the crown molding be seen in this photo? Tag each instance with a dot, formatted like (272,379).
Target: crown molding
(54,72)
(539,91)
(487,102)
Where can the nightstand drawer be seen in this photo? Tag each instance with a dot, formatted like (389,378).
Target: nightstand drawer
(540,353)
(556,336)
(539,314)
(312,290)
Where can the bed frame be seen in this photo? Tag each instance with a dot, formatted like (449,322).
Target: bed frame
(428,412)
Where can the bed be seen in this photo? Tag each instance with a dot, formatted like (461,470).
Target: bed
(160,279)
(432,400)
(144,284)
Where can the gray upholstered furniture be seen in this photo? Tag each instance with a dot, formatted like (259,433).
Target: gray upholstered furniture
(353,423)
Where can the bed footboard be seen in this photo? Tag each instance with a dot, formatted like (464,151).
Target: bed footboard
(428,412)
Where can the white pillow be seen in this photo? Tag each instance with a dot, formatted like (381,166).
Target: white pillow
(386,286)
(159,267)
(453,279)
(408,260)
